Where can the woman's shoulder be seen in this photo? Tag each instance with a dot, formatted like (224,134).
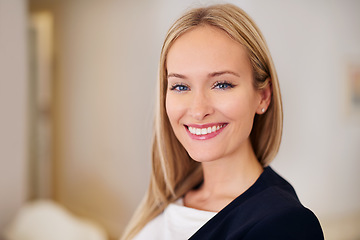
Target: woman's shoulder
(272,197)
(270,192)
(295,222)
(280,213)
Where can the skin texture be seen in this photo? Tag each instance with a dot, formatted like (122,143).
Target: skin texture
(210,83)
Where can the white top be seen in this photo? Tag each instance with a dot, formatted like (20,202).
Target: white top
(177,222)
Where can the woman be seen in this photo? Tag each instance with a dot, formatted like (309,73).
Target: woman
(218,126)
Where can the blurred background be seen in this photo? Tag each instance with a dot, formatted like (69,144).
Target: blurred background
(77,90)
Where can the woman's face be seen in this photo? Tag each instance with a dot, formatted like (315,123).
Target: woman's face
(210,100)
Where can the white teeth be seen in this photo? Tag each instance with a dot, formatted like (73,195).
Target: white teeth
(192,130)
(204,131)
(198,131)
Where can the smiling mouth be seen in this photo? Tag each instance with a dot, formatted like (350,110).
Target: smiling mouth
(205,130)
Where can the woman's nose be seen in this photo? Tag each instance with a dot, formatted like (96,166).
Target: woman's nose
(200,106)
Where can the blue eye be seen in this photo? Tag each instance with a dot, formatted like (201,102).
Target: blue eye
(179,88)
(223,85)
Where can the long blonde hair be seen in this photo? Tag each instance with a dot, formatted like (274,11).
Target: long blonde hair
(173,171)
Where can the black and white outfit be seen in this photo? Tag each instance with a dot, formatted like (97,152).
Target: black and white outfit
(268,210)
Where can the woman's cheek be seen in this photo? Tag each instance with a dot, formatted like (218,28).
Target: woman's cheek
(173,107)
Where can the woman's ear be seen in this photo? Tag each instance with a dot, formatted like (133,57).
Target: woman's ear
(265,98)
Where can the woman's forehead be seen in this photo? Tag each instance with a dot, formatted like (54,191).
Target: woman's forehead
(206,49)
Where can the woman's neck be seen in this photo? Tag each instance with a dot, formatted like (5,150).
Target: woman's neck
(224,180)
(229,179)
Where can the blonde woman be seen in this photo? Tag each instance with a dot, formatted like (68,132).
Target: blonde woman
(218,126)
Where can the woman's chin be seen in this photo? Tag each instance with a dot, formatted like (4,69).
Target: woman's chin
(203,157)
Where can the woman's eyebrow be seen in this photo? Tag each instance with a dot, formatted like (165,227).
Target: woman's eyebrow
(176,75)
(210,75)
(216,74)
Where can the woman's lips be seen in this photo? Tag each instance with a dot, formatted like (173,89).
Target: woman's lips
(204,132)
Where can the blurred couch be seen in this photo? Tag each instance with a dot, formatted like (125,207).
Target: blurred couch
(47,220)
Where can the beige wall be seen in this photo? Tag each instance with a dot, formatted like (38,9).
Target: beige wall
(106,55)
(13,100)
(104,110)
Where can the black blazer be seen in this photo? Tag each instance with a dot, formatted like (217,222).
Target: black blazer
(268,210)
